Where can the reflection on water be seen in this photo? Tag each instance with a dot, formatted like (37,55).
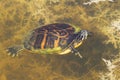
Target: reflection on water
(17,17)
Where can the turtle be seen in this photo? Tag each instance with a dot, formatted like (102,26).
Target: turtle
(56,38)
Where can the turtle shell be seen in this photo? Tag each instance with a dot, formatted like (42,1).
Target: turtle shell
(51,36)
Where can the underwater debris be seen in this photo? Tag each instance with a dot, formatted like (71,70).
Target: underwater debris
(96,1)
(110,74)
(109,64)
(116,24)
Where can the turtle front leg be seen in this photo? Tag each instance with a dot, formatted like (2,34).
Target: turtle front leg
(76,52)
(13,51)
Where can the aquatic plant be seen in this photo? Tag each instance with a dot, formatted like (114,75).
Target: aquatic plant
(18,17)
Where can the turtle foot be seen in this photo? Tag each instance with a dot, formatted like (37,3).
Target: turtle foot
(76,52)
(13,51)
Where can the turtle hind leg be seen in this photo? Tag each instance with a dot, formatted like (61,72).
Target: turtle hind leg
(13,51)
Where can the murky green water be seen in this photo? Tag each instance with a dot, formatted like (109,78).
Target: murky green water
(18,17)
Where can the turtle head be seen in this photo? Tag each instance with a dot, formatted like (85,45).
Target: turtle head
(81,36)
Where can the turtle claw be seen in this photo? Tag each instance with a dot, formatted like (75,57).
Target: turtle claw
(9,54)
(13,55)
(78,54)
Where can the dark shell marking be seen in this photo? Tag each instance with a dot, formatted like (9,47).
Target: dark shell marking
(50,36)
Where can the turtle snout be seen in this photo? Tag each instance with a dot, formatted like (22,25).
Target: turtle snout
(86,35)
(90,34)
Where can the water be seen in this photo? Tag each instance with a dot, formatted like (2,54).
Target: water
(18,17)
